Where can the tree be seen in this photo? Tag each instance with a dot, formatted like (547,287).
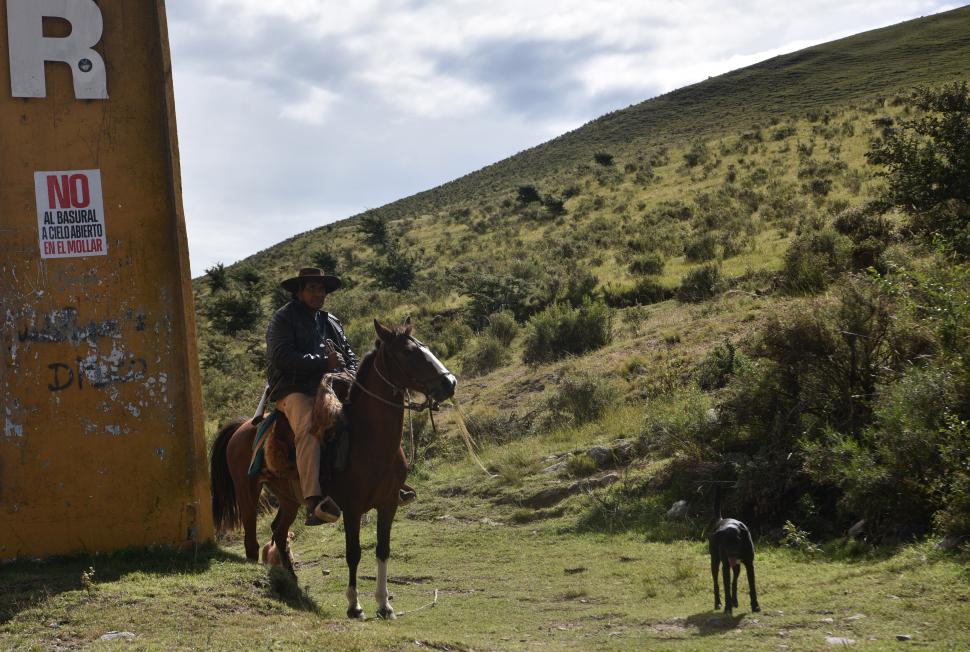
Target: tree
(397,270)
(374,229)
(927,162)
(217,277)
(527,195)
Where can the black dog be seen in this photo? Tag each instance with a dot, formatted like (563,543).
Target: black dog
(731,545)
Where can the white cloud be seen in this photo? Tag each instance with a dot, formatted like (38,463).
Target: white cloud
(313,109)
(293,113)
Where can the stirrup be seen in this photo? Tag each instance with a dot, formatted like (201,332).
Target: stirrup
(325,511)
(406,495)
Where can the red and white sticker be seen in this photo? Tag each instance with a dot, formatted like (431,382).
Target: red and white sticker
(70,214)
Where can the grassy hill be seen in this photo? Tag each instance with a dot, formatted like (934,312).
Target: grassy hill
(641,260)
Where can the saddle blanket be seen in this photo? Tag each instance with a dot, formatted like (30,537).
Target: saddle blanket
(259,444)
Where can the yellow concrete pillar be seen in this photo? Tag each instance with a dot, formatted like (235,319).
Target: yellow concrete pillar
(101,430)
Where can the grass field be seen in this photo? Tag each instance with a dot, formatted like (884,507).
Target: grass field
(499,585)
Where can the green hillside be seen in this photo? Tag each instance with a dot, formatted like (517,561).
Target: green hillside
(628,281)
(856,69)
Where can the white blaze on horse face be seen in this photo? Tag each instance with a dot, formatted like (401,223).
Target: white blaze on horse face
(433,361)
(381,593)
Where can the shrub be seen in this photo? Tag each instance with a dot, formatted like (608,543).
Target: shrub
(700,283)
(644,292)
(651,264)
(603,158)
(447,337)
(217,277)
(870,234)
(719,366)
(526,195)
(374,230)
(487,354)
(701,248)
(493,427)
(489,294)
(561,330)
(231,312)
(927,160)
(396,270)
(503,327)
(580,397)
(325,260)
(698,154)
(814,259)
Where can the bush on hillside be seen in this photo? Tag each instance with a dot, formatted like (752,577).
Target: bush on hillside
(527,194)
(603,158)
(217,277)
(561,330)
(374,230)
(325,260)
(814,259)
(580,397)
(490,293)
(701,248)
(870,233)
(644,292)
(651,264)
(232,312)
(720,365)
(927,161)
(485,355)
(700,284)
(503,327)
(811,394)
(395,270)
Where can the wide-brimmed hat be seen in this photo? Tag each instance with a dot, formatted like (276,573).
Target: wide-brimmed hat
(311,274)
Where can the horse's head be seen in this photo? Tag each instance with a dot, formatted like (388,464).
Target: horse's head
(410,364)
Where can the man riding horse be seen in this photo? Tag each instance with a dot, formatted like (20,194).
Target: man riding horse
(304,342)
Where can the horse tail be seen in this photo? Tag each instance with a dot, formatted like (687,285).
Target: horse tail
(225,512)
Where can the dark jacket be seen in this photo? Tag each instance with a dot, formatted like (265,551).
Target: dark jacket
(295,354)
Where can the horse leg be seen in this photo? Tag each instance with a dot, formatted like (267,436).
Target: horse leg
(247,498)
(281,531)
(352,537)
(385,517)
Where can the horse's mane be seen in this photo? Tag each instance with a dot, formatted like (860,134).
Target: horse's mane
(365,365)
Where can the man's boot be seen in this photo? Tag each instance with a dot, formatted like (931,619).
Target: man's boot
(406,495)
(321,510)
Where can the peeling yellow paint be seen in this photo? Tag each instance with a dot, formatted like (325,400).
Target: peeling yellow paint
(102,443)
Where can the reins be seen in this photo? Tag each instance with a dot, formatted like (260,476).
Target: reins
(406,403)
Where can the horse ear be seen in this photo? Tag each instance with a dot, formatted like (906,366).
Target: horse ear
(383,332)
(408,326)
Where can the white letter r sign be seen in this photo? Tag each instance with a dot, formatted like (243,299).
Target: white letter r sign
(29,48)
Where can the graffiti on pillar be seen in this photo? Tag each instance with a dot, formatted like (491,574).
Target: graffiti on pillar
(97,371)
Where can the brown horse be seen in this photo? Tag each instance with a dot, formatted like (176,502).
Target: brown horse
(375,472)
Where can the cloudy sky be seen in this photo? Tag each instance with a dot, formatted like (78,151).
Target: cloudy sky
(296,113)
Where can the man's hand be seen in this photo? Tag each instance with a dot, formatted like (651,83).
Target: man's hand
(335,361)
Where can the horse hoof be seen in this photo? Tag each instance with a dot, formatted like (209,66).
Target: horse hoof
(386,614)
(356,614)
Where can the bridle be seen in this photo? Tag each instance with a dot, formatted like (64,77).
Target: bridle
(406,403)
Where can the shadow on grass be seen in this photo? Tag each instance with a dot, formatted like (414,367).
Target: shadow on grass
(28,583)
(284,587)
(714,622)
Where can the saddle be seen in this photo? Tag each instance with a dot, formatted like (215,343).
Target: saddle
(274,449)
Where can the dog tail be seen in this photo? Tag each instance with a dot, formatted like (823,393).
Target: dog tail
(717,502)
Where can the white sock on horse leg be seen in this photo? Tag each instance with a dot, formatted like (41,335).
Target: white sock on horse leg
(352,603)
(381,593)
